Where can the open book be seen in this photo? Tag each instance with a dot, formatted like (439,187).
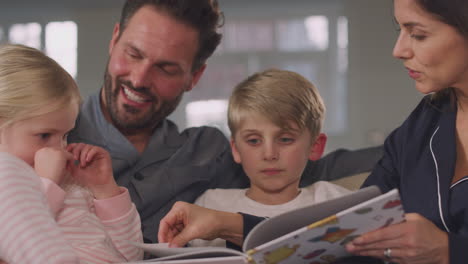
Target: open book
(312,234)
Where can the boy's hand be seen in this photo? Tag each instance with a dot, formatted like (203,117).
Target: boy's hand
(52,163)
(93,168)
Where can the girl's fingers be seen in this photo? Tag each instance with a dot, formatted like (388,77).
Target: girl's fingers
(80,152)
(68,156)
(75,149)
(92,152)
(84,155)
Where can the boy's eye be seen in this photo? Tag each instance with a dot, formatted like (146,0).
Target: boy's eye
(253,141)
(286,140)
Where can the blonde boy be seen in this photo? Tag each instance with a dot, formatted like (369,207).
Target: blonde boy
(275,118)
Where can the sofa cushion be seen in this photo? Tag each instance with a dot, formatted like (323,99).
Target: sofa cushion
(352,182)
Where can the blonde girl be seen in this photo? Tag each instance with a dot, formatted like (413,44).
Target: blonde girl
(84,216)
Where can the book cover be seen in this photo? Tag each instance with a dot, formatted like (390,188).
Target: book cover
(312,234)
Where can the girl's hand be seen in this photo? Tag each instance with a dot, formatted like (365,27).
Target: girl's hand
(417,240)
(52,163)
(93,168)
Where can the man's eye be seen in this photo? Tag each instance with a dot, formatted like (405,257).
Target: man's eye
(133,54)
(170,70)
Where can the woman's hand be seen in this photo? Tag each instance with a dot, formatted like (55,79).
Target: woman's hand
(93,168)
(417,240)
(186,222)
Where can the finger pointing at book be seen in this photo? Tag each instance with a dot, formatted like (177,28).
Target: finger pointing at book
(417,240)
(186,222)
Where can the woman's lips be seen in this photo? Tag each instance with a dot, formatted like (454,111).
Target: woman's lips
(413,74)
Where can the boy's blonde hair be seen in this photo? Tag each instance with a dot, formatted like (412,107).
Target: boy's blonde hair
(32,84)
(282,97)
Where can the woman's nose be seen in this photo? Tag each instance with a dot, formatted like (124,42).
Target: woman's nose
(402,49)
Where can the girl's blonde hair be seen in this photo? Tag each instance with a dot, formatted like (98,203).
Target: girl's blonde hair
(32,84)
(282,97)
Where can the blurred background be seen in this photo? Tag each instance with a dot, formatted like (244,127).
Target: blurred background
(343,46)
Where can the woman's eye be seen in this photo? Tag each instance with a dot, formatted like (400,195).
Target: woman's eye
(418,37)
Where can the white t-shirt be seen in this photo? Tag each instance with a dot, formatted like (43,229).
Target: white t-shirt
(235,200)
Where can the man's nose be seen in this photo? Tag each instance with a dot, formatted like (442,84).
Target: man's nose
(141,75)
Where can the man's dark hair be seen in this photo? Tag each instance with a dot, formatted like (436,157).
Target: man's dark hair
(203,15)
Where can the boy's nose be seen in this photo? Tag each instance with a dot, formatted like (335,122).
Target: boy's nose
(271,153)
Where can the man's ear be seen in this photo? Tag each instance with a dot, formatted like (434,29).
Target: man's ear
(196,75)
(317,149)
(115,37)
(235,153)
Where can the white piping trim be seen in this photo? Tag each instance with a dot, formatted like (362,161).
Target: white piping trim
(438,184)
(458,182)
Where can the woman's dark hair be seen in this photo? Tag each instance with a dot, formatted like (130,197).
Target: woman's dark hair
(451,12)
(455,14)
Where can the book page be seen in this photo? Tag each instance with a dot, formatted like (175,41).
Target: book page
(292,220)
(162,252)
(223,260)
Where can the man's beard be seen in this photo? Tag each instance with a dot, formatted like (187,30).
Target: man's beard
(128,119)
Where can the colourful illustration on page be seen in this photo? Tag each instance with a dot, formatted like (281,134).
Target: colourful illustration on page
(323,242)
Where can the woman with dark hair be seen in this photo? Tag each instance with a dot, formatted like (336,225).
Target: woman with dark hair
(426,158)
